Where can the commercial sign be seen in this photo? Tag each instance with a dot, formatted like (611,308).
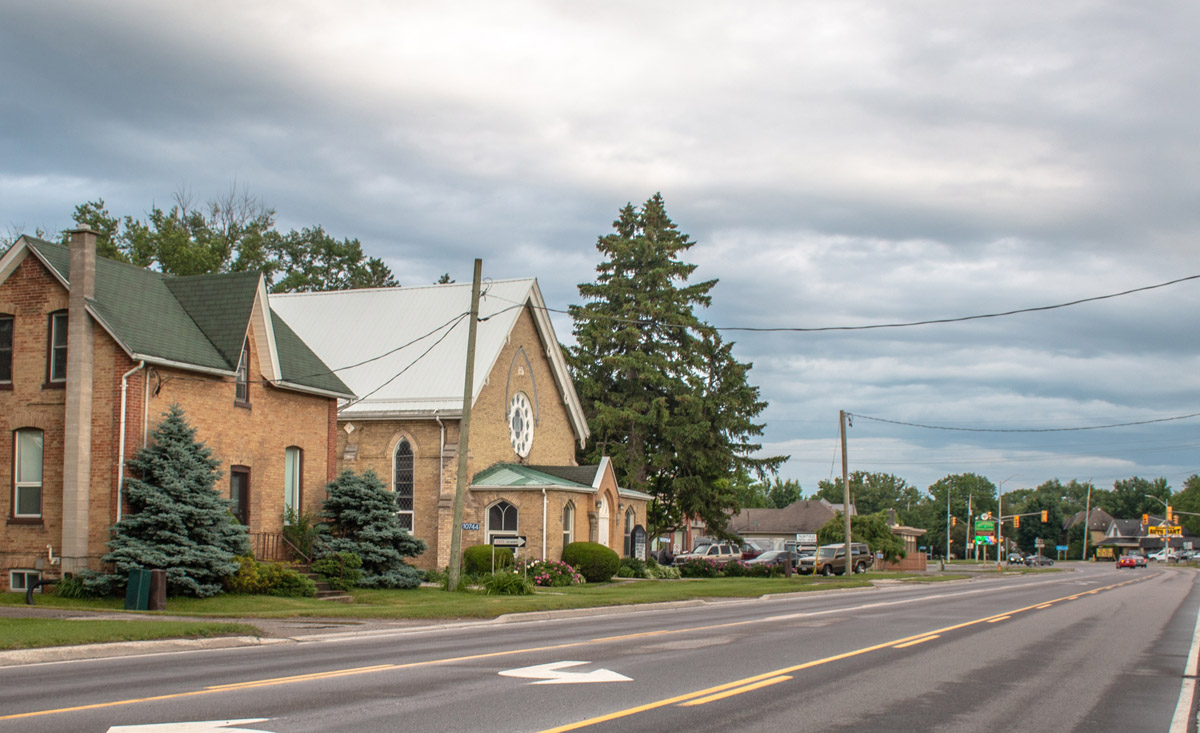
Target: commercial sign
(508,541)
(806,538)
(985,526)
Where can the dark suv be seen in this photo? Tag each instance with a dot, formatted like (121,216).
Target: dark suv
(831,559)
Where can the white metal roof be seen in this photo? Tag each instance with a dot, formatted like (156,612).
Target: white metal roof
(403,350)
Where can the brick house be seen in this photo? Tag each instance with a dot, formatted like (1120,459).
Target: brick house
(93,352)
(403,351)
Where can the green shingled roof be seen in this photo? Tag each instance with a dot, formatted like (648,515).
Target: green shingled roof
(513,474)
(200,320)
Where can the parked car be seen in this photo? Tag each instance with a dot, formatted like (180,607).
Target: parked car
(1165,555)
(751,550)
(1036,561)
(831,559)
(719,551)
(774,557)
(1132,560)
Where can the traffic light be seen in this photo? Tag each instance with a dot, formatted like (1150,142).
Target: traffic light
(1016,522)
(953,521)
(1168,512)
(1045,515)
(1145,519)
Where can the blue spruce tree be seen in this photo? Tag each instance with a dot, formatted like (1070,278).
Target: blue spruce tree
(178,521)
(362,515)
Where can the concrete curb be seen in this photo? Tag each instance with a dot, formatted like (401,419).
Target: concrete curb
(129,648)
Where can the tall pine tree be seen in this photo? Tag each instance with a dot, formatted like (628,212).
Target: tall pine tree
(178,521)
(664,396)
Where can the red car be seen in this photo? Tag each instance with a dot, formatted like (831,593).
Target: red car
(1132,560)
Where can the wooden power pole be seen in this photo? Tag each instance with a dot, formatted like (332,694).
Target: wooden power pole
(846,492)
(464,431)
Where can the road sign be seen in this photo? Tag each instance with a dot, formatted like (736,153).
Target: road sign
(806,538)
(1038,542)
(508,541)
(471,525)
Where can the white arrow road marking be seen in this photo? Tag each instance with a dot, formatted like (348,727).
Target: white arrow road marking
(549,674)
(199,726)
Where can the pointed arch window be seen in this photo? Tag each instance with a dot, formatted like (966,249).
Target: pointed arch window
(402,483)
(6,350)
(630,521)
(501,520)
(568,523)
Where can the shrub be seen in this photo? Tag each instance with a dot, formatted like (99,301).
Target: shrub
(262,578)
(340,570)
(663,572)
(477,559)
(631,567)
(302,530)
(595,562)
(701,568)
(71,586)
(549,573)
(507,583)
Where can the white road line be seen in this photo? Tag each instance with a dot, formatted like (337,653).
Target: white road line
(1187,691)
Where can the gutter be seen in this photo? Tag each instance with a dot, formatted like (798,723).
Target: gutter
(121,440)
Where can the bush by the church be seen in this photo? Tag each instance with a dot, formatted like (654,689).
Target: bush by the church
(362,518)
(595,562)
(477,559)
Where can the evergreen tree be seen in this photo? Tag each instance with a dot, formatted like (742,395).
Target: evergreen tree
(362,515)
(178,521)
(664,396)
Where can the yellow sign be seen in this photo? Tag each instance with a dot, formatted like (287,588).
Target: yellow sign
(1162,531)
(1104,552)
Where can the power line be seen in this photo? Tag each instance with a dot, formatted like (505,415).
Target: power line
(422,355)
(1027,430)
(906,324)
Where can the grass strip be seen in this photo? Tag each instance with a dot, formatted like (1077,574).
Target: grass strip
(434,603)
(28,633)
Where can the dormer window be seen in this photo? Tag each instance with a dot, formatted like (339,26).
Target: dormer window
(241,394)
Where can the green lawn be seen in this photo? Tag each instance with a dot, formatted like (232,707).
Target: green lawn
(26,633)
(433,603)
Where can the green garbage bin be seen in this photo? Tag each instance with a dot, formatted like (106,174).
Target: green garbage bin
(137,593)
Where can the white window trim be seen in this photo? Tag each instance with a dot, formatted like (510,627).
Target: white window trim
(293,462)
(24,574)
(487,517)
(568,523)
(54,319)
(18,485)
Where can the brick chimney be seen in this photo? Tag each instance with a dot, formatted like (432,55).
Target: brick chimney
(77,437)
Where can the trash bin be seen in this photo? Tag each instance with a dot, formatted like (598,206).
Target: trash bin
(137,593)
(158,590)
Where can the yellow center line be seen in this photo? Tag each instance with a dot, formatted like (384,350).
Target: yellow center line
(737,691)
(1000,618)
(1044,605)
(917,641)
(897,643)
(238,686)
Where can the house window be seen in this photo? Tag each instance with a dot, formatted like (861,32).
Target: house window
(568,528)
(6,350)
(501,520)
(27,473)
(630,520)
(239,493)
(402,483)
(293,481)
(21,580)
(241,394)
(56,362)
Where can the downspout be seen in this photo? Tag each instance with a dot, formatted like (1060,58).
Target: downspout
(121,439)
(544,502)
(441,455)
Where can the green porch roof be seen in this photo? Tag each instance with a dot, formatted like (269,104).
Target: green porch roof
(513,475)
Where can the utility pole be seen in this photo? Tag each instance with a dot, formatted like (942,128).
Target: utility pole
(948,485)
(1087,513)
(464,430)
(846,491)
(969,539)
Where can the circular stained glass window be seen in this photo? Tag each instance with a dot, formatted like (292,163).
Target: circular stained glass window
(520,424)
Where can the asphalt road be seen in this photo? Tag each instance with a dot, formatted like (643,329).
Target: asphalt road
(1090,649)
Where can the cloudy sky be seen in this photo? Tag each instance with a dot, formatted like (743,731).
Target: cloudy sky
(838,164)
